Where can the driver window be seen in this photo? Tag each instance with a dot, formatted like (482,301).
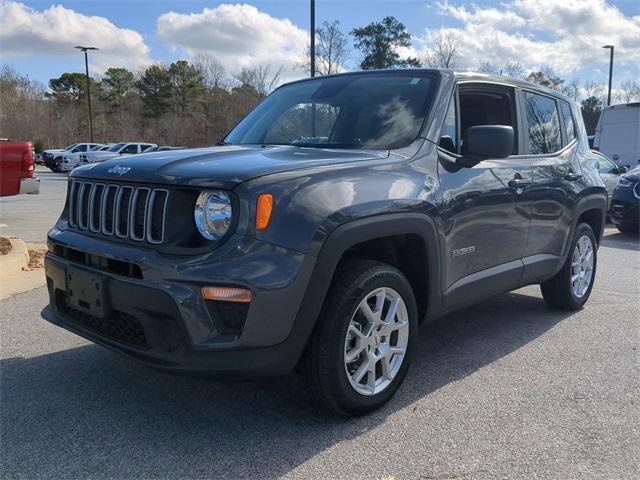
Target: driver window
(486,105)
(296,125)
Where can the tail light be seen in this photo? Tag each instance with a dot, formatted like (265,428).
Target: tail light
(28,164)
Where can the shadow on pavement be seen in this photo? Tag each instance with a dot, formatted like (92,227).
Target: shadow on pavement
(88,412)
(624,241)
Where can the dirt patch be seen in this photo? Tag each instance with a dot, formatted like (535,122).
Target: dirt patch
(5,246)
(36,255)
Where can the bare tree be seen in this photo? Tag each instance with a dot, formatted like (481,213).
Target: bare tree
(573,90)
(445,51)
(593,89)
(488,67)
(332,50)
(210,69)
(628,92)
(514,70)
(261,78)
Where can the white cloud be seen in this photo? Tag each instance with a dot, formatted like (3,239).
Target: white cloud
(565,36)
(56,30)
(237,35)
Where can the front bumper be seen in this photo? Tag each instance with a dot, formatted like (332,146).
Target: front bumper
(159,318)
(29,185)
(625,213)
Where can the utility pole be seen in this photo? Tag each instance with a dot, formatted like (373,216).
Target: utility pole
(312,51)
(610,47)
(313,38)
(86,66)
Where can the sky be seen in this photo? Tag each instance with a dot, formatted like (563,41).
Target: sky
(37,37)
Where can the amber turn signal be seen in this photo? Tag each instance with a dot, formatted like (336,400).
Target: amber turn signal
(263,210)
(226,294)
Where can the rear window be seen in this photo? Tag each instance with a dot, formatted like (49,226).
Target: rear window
(567,119)
(543,124)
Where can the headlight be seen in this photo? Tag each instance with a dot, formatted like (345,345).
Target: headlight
(624,182)
(212,214)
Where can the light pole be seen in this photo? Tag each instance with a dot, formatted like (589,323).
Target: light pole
(313,38)
(86,66)
(610,47)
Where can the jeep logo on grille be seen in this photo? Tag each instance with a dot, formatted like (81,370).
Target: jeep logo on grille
(119,170)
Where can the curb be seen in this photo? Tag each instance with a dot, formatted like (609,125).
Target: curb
(13,277)
(14,261)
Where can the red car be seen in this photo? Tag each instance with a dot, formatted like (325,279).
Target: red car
(17,168)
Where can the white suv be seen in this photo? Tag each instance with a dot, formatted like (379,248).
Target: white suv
(123,148)
(54,158)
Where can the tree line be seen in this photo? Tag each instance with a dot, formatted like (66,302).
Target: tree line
(196,103)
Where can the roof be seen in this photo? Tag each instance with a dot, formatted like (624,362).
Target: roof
(458,74)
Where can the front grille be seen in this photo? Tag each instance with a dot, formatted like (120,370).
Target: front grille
(123,211)
(118,326)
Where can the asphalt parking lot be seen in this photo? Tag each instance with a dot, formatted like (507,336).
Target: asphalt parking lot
(505,389)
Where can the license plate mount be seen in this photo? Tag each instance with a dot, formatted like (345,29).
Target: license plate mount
(86,291)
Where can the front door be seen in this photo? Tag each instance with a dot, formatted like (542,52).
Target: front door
(485,208)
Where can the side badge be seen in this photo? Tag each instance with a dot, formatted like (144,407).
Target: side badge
(463,251)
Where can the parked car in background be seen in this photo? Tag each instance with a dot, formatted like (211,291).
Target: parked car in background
(618,134)
(609,172)
(72,159)
(53,158)
(625,203)
(17,168)
(163,148)
(339,214)
(115,150)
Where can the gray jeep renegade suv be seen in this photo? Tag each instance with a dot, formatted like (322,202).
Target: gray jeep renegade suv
(337,216)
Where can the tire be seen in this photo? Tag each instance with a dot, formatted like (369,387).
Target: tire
(325,363)
(560,292)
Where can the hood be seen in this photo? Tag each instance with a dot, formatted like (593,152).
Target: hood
(55,150)
(632,175)
(218,167)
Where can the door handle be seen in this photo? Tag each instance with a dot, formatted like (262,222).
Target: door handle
(572,177)
(519,183)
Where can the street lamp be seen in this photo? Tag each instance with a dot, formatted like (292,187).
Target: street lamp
(313,38)
(86,66)
(610,47)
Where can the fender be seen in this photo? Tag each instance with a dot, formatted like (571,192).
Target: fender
(592,201)
(348,235)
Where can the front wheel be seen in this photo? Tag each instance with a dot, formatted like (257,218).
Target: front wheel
(360,350)
(570,288)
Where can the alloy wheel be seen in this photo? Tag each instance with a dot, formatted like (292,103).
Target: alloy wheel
(582,266)
(376,341)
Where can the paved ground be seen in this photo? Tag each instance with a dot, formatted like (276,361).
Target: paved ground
(30,216)
(506,389)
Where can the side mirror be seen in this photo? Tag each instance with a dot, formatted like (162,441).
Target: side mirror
(622,169)
(487,141)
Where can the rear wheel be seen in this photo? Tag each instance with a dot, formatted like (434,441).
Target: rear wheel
(570,288)
(361,348)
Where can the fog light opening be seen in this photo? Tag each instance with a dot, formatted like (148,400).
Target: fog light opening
(227,294)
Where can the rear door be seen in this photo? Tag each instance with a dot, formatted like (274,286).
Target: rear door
(486,212)
(551,143)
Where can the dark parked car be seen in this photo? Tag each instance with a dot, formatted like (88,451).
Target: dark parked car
(338,215)
(625,203)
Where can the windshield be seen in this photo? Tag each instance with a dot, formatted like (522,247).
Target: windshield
(116,147)
(371,110)
(69,147)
